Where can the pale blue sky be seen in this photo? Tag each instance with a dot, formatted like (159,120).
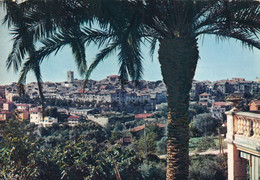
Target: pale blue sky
(218,60)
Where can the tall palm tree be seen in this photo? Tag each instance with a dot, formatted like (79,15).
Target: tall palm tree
(122,26)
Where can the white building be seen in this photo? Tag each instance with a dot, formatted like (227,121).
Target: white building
(48,121)
(73,120)
(219,108)
(36,117)
(205,97)
(80,112)
(22,107)
(10,94)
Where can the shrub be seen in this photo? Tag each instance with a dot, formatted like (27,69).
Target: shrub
(208,167)
(206,124)
(207,142)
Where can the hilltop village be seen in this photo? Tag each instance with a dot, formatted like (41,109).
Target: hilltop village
(108,96)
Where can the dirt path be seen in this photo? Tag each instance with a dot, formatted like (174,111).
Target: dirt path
(209,151)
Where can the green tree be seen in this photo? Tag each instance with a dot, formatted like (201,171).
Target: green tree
(161,146)
(147,141)
(18,146)
(25,155)
(123,26)
(208,167)
(205,123)
(153,170)
(52,112)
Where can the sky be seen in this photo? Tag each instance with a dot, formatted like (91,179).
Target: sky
(218,60)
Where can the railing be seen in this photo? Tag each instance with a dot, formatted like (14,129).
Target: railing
(247,124)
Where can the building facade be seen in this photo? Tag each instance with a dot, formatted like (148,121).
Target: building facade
(243,143)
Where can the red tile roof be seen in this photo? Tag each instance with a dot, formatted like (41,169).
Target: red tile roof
(113,76)
(205,94)
(102,87)
(142,116)
(22,110)
(221,104)
(5,112)
(80,91)
(256,102)
(74,117)
(36,110)
(9,102)
(138,128)
(160,125)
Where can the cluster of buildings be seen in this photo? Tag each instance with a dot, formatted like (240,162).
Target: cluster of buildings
(222,88)
(109,95)
(105,94)
(214,95)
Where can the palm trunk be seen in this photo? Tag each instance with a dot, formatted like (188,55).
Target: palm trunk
(178,58)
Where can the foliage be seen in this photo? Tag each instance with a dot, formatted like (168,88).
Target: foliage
(205,124)
(153,170)
(161,146)
(194,132)
(52,112)
(18,147)
(147,141)
(116,135)
(59,154)
(208,167)
(23,99)
(195,109)
(163,110)
(120,119)
(205,143)
(125,160)
(256,96)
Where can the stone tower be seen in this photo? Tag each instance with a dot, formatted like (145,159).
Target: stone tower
(70,76)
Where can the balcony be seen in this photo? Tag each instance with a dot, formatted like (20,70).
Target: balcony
(243,140)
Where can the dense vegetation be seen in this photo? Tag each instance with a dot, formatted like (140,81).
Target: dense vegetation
(67,152)
(90,151)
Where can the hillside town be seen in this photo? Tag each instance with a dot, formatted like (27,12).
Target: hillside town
(109,96)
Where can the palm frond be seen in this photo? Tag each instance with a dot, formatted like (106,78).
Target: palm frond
(152,47)
(37,73)
(130,60)
(23,42)
(17,54)
(239,20)
(78,51)
(104,53)
(32,64)
(97,36)
(246,39)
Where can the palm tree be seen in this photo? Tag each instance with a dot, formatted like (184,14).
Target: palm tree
(122,26)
